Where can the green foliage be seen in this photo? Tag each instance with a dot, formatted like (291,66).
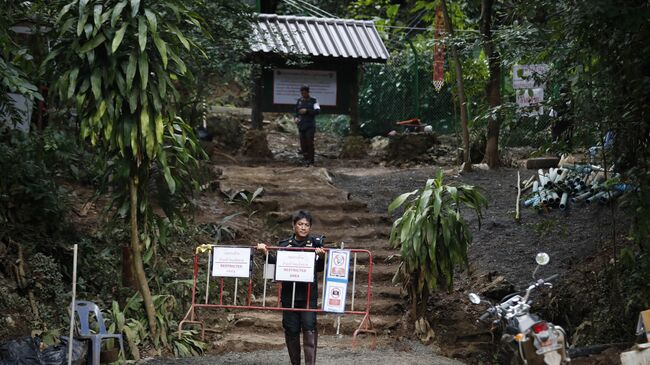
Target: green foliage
(13,76)
(130,321)
(335,124)
(30,199)
(432,235)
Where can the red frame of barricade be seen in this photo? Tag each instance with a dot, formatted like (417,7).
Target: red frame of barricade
(190,317)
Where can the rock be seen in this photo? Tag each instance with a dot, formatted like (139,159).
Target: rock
(497,288)
(409,147)
(226,131)
(286,124)
(542,162)
(10,322)
(245,322)
(378,147)
(255,145)
(354,147)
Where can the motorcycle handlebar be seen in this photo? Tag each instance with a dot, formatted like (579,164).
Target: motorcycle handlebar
(552,277)
(484,316)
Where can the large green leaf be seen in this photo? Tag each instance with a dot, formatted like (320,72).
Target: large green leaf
(142,34)
(119,35)
(151,18)
(117,10)
(135,6)
(97,15)
(96,83)
(72,81)
(399,201)
(162,49)
(143,66)
(94,42)
(130,71)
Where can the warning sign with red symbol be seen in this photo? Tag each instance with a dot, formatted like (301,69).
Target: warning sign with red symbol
(339,264)
(336,285)
(335,297)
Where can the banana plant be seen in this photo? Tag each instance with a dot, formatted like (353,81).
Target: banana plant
(118,63)
(432,236)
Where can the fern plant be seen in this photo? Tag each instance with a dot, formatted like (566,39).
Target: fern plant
(432,236)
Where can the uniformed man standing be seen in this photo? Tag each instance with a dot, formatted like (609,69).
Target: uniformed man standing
(306,110)
(294,321)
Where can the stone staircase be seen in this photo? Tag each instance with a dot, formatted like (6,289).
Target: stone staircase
(341,220)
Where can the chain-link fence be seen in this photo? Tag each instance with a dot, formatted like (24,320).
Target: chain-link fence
(403,89)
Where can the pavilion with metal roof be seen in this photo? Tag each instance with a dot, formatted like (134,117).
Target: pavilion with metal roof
(310,36)
(322,52)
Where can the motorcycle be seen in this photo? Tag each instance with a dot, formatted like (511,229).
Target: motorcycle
(533,340)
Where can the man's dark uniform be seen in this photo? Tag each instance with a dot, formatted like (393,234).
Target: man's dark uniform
(307,126)
(293,322)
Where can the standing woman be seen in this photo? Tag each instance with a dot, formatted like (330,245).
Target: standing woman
(294,322)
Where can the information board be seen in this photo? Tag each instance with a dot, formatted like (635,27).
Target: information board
(287,83)
(522,75)
(336,283)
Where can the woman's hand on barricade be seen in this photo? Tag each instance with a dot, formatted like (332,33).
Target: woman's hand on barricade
(320,251)
(262,247)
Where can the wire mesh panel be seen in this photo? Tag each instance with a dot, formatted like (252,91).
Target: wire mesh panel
(403,89)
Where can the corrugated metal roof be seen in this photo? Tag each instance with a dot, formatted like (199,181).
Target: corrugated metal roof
(309,36)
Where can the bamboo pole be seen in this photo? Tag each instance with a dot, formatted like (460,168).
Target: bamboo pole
(518,195)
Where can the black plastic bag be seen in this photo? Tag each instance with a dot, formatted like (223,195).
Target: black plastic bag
(23,351)
(58,354)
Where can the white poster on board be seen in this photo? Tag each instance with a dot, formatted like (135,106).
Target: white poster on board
(295,266)
(522,75)
(231,262)
(527,98)
(287,83)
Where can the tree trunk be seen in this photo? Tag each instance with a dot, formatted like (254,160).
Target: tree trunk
(256,110)
(136,251)
(460,85)
(493,87)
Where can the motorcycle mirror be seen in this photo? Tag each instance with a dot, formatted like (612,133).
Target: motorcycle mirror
(542,258)
(474,298)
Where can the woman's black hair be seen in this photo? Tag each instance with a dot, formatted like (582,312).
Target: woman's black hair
(302,214)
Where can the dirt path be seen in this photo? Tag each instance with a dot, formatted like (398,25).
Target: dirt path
(409,353)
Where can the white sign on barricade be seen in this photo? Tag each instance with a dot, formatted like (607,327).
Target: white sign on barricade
(337,281)
(231,262)
(295,266)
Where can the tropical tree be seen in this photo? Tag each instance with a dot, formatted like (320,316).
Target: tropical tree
(13,79)
(432,236)
(118,63)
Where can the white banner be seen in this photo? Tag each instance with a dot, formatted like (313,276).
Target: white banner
(295,266)
(335,296)
(522,75)
(231,262)
(287,83)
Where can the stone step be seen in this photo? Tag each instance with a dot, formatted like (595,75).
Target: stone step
(384,302)
(362,233)
(328,218)
(272,203)
(245,340)
(267,321)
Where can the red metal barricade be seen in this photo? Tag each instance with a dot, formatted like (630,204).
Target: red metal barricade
(190,317)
